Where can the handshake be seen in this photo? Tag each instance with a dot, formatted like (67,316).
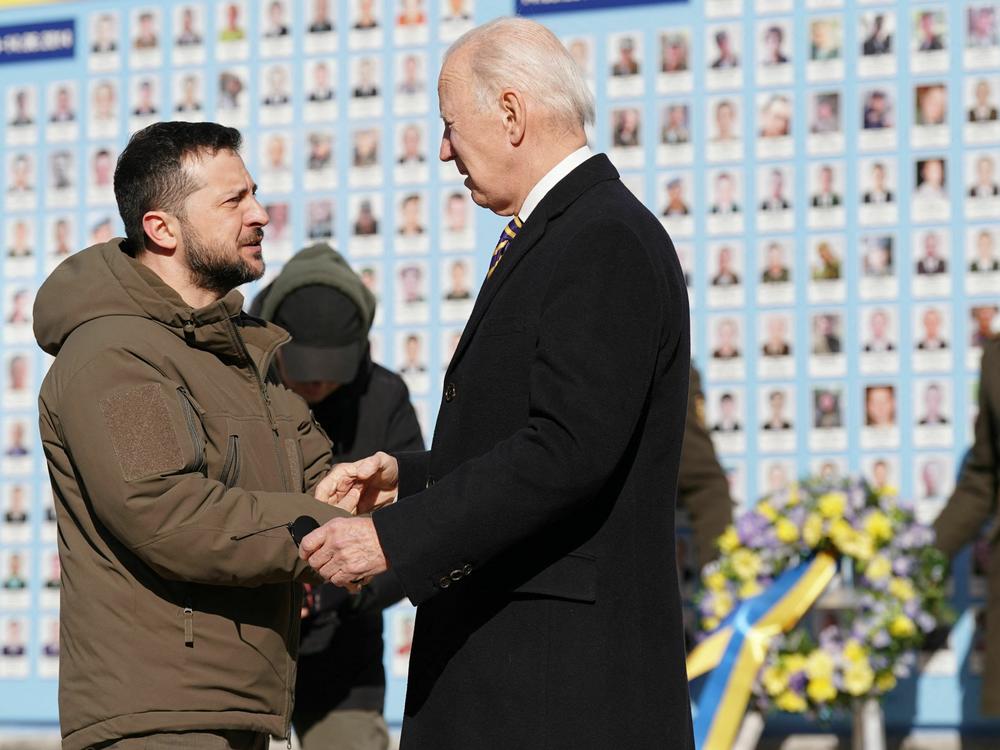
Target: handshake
(346,551)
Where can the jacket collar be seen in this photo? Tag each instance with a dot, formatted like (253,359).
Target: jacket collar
(595,170)
(211,327)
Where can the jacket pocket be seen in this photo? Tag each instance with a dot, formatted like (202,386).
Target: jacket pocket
(230,473)
(192,420)
(572,577)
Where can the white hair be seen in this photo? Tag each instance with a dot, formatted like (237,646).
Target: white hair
(525,56)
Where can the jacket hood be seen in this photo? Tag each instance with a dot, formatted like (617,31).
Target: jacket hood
(104,280)
(317,264)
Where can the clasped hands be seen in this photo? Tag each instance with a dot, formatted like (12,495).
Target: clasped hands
(346,551)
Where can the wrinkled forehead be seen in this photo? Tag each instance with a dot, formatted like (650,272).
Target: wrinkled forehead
(455,76)
(218,172)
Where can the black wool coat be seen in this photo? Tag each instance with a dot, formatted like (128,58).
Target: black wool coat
(537,534)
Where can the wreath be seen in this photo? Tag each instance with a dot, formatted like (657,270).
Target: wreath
(894,577)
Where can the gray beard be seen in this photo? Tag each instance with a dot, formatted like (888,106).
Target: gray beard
(212,270)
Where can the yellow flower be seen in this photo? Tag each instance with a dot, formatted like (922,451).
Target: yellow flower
(787,531)
(749,588)
(812,530)
(819,665)
(841,532)
(831,505)
(722,604)
(878,568)
(901,589)
(821,690)
(854,651)
(902,627)
(879,526)
(775,680)
(791,702)
(863,547)
(793,495)
(885,682)
(745,563)
(795,663)
(765,509)
(716,581)
(729,540)
(887,490)
(858,678)
(710,623)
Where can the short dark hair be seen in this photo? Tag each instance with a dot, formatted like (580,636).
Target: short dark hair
(150,173)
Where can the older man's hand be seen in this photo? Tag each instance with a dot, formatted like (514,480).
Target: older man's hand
(345,552)
(361,486)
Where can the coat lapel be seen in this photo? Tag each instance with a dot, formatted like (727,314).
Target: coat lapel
(596,169)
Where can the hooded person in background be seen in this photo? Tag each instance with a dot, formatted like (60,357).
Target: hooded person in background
(363,408)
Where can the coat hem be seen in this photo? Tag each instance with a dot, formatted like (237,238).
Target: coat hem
(152,722)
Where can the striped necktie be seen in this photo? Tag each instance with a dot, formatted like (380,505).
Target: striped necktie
(509,232)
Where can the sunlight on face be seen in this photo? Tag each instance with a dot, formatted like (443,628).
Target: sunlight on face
(223,223)
(475,140)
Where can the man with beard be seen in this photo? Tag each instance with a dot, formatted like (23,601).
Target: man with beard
(170,454)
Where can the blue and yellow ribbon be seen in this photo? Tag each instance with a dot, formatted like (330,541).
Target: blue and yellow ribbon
(736,651)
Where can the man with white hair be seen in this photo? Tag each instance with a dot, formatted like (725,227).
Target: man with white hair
(536,536)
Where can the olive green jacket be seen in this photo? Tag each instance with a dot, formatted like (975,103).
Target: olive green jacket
(973,504)
(702,487)
(163,442)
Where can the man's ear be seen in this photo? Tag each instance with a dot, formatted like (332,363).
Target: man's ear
(162,229)
(514,112)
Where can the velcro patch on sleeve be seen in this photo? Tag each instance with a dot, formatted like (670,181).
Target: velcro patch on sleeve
(142,432)
(294,465)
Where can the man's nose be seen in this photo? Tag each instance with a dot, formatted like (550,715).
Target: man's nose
(257,215)
(445,153)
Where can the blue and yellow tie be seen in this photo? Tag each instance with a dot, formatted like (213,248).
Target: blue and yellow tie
(509,232)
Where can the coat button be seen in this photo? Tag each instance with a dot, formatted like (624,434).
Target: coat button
(456,575)
(429,483)
(450,392)
(445,582)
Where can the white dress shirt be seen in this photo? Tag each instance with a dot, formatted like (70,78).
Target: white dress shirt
(551,179)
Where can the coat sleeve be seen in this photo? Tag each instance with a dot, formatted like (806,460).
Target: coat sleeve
(974,500)
(413,471)
(138,458)
(403,434)
(702,487)
(599,340)
(317,455)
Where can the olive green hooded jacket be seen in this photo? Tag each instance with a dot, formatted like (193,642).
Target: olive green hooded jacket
(163,442)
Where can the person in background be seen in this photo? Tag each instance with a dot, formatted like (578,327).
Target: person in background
(363,408)
(702,488)
(974,503)
(982,109)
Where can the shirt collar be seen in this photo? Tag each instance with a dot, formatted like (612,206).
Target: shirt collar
(551,179)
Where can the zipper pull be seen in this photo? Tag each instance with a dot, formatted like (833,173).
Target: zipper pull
(189,627)
(288,740)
